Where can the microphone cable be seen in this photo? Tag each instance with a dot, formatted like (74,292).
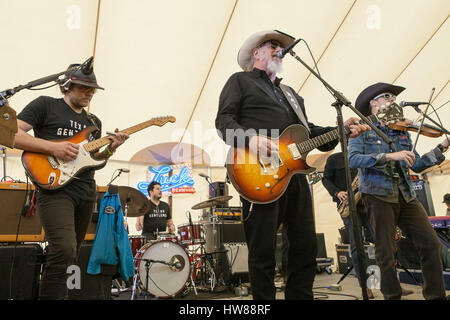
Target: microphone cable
(13,258)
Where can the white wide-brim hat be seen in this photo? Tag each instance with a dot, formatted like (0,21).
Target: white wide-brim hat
(246,51)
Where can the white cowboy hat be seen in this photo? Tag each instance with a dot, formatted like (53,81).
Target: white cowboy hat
(246,51)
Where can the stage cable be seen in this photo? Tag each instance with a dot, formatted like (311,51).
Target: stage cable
(15,244)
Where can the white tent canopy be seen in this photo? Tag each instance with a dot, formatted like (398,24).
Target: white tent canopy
(172,58)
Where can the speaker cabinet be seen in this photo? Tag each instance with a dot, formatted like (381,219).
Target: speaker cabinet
(92,287)
(12,199)
(422,188)
(236,263)
(25,261)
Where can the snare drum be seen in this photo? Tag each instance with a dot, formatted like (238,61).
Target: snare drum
(167,236)
(168,266)
(191,233)
(136,242)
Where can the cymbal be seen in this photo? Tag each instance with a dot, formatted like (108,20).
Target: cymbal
(211,202)
(137,202)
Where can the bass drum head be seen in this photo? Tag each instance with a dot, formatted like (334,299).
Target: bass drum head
(164,281)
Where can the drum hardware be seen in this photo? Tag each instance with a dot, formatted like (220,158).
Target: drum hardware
(211,248)
(163,270)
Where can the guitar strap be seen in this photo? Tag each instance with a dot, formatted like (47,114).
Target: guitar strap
(294,104)
(95,122)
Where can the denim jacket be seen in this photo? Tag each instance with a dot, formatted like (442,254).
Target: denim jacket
(367,153)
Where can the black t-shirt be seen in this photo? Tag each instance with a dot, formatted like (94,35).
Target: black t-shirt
(334,176)
(156,217)
(52,119)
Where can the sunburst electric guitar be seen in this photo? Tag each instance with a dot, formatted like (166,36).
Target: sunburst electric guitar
(51,173)
(263,179)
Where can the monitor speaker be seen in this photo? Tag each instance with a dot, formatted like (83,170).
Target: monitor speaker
(423,192)
(20,267)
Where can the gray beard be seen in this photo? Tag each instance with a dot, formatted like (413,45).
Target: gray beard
(275,66)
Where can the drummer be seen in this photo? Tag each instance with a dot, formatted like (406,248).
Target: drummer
(158,217)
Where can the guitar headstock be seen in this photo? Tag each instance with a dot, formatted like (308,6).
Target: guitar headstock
(160,121)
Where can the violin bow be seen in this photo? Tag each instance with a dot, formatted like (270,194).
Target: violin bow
(423,119)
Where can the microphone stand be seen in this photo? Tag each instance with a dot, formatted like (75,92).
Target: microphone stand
(341,100)
(5,94)
(120,172)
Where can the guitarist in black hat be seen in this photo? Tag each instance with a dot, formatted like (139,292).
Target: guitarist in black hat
(65,213)
(389,196)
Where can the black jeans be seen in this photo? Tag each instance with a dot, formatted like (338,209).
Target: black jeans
(413,221)
(294,210)
(65,223)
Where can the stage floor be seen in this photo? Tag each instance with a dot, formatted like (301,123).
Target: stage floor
(350,291)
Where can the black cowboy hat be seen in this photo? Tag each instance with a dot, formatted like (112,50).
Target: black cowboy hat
(446,198)
(80,76)
(362,103)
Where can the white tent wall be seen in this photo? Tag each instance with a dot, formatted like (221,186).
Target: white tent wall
(158,58)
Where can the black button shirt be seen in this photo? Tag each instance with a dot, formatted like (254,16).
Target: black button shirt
(249,100)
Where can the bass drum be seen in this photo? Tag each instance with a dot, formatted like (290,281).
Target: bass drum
(169,268)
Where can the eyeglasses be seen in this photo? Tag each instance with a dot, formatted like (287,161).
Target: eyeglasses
(387,96)
(272,43)
(86,89)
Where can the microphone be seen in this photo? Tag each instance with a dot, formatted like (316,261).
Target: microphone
(26,206)
(410,104)
(283,52)
(203,175)
(124,170)
(87,66)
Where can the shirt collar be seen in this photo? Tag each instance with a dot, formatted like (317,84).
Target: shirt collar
(261,73)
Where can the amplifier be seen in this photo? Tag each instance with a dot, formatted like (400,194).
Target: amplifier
(20,267)
(12,199)
(423,192)
(229,213)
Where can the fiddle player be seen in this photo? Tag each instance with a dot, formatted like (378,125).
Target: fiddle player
(388,194)
(158,217)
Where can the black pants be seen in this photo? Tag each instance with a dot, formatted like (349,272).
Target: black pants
(65,223)
(413,221)
(294,210)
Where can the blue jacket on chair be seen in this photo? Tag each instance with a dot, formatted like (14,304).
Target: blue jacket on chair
(111,244)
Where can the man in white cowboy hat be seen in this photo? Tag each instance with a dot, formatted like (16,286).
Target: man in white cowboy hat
(253,108)
(65,213)
(389,196)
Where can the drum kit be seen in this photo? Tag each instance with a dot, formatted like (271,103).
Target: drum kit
(172,265)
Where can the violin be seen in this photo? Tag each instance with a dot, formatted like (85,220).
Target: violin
(409,125)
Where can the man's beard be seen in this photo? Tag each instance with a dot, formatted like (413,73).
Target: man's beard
(275,66)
